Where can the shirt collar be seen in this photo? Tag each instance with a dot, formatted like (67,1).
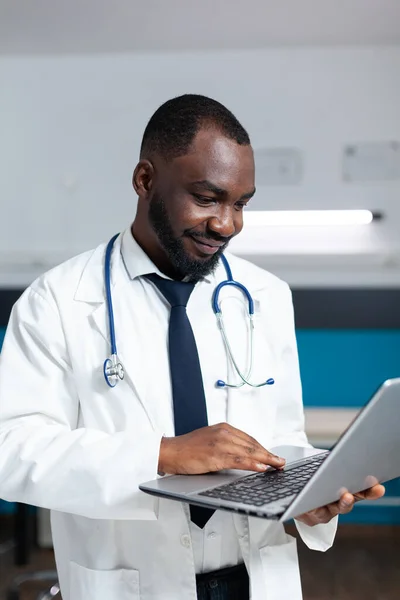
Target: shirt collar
(136,261)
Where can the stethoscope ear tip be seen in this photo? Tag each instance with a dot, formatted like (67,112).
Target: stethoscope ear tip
(220,383)
(270,381)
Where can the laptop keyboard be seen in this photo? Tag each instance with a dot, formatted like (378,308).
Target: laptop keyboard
(262,488)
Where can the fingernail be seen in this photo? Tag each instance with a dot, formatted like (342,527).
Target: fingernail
(280,460)
(345,503)
(261,466)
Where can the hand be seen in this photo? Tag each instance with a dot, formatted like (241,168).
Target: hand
(343,506)
(214,448)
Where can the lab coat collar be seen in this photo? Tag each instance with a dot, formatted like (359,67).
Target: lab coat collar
(136,261)
(128,261)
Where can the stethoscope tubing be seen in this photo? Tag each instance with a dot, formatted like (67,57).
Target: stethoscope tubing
(107,282)
(113,370)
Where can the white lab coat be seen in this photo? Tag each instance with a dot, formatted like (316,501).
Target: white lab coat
(70,444)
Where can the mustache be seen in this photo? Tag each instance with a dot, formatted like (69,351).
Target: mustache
(208,236)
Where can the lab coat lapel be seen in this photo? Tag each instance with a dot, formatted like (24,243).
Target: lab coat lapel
(128,346)
(91,289)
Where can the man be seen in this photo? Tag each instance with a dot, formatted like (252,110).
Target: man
(70,443)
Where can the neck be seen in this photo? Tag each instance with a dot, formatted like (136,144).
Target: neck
(148,241)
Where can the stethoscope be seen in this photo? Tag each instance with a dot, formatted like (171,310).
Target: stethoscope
(113,369)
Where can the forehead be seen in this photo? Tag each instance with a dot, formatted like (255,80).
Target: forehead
(216,158)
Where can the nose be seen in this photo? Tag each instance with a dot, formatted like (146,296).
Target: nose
(223,223)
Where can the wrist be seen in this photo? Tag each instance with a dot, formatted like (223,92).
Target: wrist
(163,458)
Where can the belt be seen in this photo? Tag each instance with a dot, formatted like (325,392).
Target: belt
(223,578)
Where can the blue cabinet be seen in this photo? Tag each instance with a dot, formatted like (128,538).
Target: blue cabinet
(343,368)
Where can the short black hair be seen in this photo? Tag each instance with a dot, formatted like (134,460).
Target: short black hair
(173,126)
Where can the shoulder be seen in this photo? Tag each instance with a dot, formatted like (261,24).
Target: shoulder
(62,281)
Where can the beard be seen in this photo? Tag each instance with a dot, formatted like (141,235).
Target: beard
(185,265)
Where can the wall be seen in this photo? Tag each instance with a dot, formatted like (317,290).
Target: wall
(71,129)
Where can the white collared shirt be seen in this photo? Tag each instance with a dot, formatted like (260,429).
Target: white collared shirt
(216,546)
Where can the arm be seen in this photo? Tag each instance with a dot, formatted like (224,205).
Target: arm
(46,460)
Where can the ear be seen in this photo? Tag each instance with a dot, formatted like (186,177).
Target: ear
(142,179)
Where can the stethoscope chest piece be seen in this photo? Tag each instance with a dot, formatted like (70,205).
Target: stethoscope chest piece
(113,371)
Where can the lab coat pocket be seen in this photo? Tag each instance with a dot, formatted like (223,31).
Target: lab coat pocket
(115,584)
(281,571)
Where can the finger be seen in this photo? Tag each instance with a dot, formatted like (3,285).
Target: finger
(346,503)
(241,461)
(342,506)
(256,452)
(317,516)
(238,455)
(377,491)
(241,438)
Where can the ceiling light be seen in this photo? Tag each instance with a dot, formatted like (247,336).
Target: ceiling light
(306,218)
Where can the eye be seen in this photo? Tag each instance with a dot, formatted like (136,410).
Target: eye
(241,205)
(204,199)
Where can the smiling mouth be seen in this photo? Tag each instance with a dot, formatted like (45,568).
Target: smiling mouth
(207,247)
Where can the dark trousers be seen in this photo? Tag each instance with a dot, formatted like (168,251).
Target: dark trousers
(227,584)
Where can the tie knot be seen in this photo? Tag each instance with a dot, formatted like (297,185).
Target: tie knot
(176,292)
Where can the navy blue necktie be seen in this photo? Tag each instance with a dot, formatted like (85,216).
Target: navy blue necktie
(190,410)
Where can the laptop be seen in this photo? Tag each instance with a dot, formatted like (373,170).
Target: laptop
(368,452)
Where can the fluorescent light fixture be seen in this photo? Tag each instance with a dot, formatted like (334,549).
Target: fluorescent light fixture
(306,218)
